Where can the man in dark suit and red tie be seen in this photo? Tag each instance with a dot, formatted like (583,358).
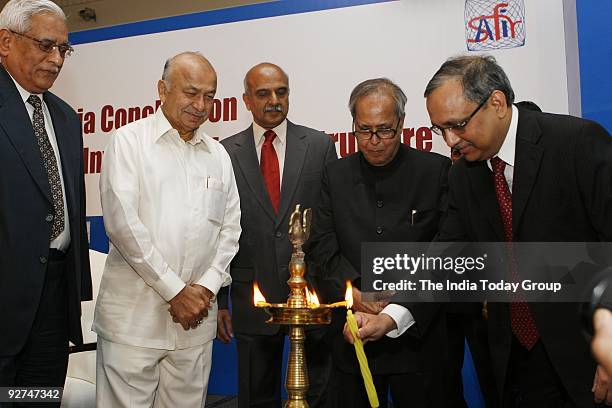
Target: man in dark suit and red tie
(277,164)
(44,258)
(524,176)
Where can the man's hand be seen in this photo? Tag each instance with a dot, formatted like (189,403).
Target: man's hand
(190,306)
(371,327)
(602,387)
(224,326)
(206,294)
(602,350)
(602,342)
(366,307)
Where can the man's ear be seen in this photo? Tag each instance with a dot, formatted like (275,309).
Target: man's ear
(6,39)
(162,90)
(247,101)
(499,102)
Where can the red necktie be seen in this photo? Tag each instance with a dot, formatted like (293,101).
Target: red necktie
(521,319)
(269,169)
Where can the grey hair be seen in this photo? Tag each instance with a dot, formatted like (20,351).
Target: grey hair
(269,64)
(377,85)
(16,14)
(169,65)
(480,75)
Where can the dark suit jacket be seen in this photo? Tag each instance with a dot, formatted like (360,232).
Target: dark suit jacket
(24,205)
(265,249)
(562,191)
(360,204)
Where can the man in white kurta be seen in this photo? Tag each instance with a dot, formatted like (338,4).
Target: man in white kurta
(172,213)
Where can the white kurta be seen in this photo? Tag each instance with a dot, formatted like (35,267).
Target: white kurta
(172,213)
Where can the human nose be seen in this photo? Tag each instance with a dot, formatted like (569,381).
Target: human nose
(273,98)
(200,103)
(56,57)
(374,138)
(450,138)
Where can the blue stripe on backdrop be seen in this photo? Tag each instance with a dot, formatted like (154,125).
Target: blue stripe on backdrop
(208,18)
(98,241)
(595,49)
(471,389)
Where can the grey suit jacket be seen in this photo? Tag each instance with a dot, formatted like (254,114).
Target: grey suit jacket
(265,249)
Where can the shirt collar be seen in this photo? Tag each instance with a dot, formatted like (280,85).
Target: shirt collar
(24,94)
(508,148)
(165,128)
(280,130)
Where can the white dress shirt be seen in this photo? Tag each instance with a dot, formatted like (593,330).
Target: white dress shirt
(172,213)
(279,143)
(508,149)
(62,241)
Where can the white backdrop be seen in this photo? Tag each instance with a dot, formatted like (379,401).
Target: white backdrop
(326,53)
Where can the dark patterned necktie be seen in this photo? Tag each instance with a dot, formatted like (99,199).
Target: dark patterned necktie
(270,169)
(50,163)
(521,319)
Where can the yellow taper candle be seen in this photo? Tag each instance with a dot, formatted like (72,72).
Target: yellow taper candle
(363,361)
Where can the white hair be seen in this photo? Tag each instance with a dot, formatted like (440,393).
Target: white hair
(16,14)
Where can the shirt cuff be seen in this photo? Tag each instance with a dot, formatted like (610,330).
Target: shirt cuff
(402,317)
(211,280)
(170,285)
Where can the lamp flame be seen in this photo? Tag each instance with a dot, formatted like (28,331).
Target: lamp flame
(313,299)
(257,295)
(348,297)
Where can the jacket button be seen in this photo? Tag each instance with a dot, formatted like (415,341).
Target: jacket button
(43,259)
(279,234)
(379,230)
(379,203)
(49,218)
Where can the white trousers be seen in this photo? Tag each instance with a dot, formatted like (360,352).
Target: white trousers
(135,377)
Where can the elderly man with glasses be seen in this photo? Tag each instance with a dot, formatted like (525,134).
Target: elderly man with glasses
(384,193)
(44,258)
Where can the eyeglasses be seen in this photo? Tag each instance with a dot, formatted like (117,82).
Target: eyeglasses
(459,127)
(367,134)
(48,46)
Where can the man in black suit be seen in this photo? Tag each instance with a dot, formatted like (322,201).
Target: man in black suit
(271,150)
(524,176)
(44,261)
(384,193)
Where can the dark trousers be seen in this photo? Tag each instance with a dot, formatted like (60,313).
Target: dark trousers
(407,390)
(532,381)
(260,367)
(471,327)
(43,361)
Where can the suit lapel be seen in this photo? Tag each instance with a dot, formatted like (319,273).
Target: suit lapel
(481,180)
(295,152)
(17,126)
(526,165)
(246,157)
(65,146)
